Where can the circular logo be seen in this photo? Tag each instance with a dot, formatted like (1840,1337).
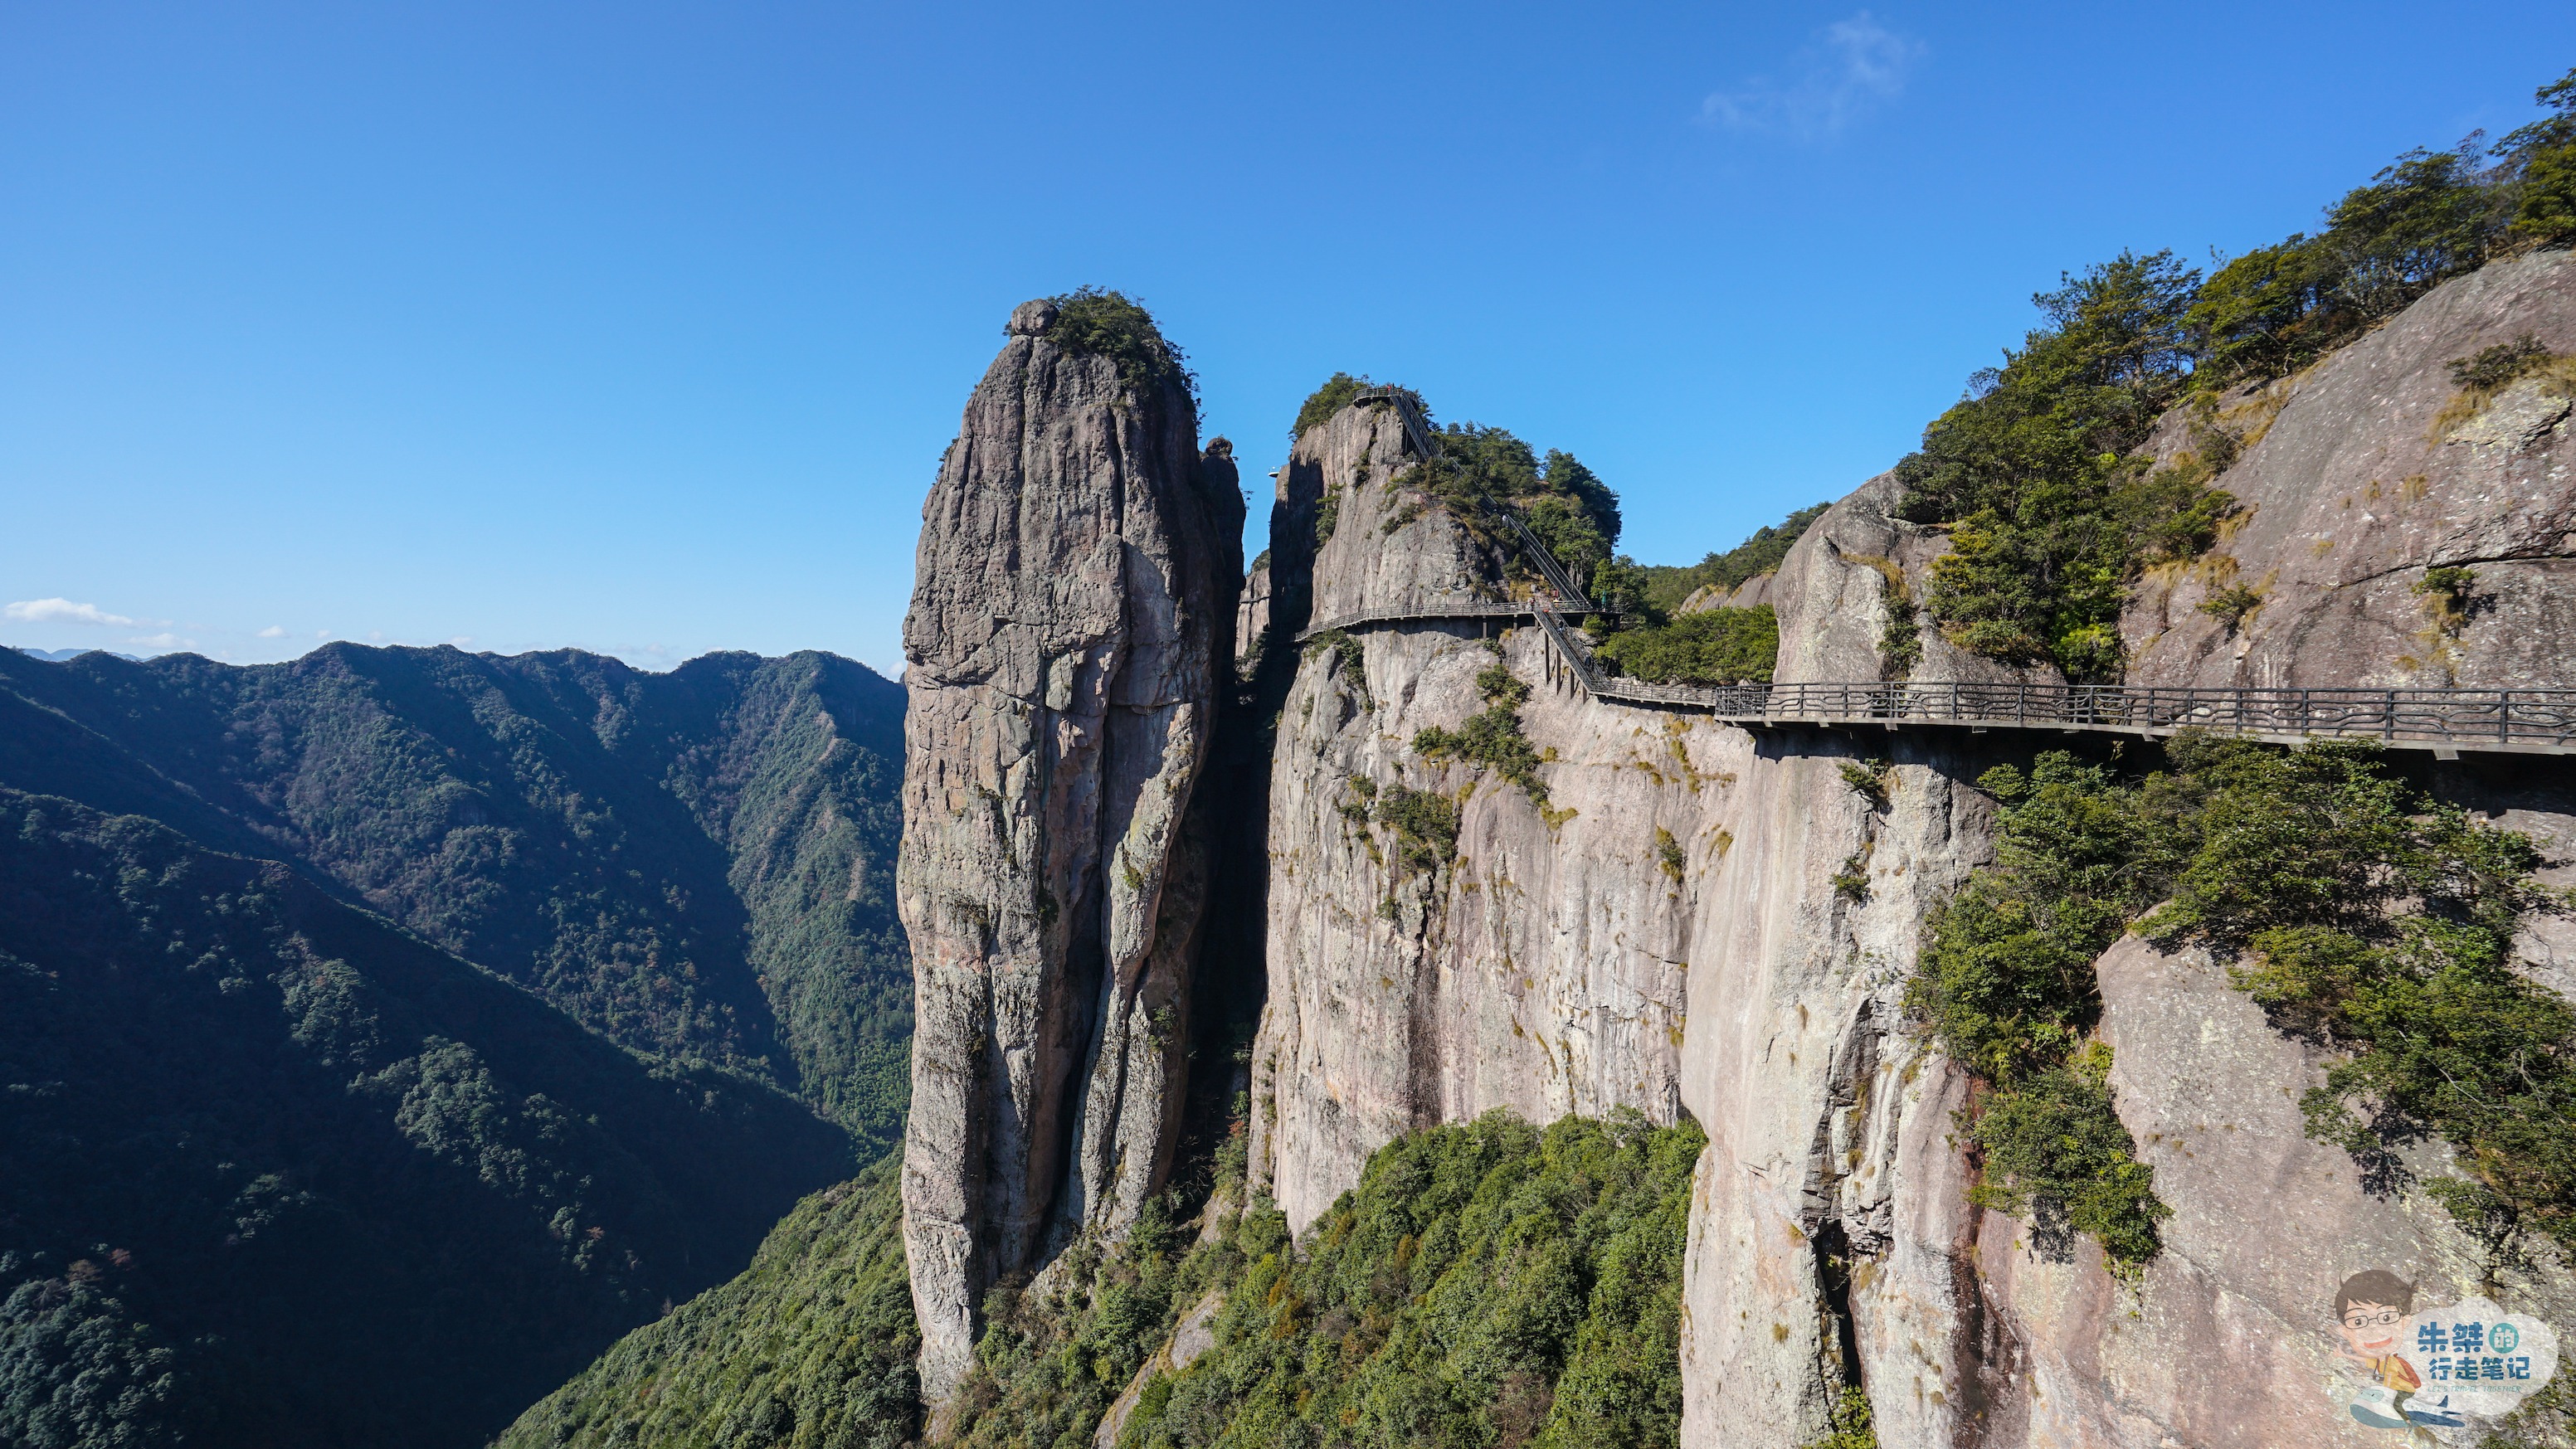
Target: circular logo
(2504,1338)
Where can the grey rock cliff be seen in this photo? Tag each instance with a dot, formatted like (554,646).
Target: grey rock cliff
(1712,920)
(1832,1121)
(2355,480)
(1071,620)
(1541,970)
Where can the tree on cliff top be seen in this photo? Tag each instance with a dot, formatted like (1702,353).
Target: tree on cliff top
(1111,324)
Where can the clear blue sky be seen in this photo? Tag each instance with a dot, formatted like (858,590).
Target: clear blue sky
(641,327)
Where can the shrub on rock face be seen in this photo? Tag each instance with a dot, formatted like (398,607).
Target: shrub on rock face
(1114,325)
(2357,911)
(1323,402)
(1713,646)
(1491,737)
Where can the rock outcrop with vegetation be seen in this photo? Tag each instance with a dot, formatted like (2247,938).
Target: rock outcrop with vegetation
(1069,640)
(2405,507)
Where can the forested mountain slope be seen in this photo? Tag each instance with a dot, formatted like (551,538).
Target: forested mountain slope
(274,1172)
(695,863)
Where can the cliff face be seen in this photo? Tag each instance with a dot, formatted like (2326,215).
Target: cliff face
(1072,609)
(1542,968)
(1719,921)
(1833,1199)
(2365,470)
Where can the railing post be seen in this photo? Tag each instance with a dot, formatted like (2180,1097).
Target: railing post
(2388,722)
(2504,716)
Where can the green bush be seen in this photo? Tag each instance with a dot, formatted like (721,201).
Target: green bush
(2493,367)
(1323,402)
(1485,1284)
(1347,660)
(2051,513)
(2230,605)
(1491,737)
(1113,325)
(1479,470)
(2540,161)
(1051,1360)
(1425,823)
(2360,912)
(1713,646)
(2054,1150)
(2006,981)
(1668,585)
(1851,1421)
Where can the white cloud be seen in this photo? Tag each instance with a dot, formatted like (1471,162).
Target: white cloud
(272,632)
(64,611)
(163,641)
(1860,65)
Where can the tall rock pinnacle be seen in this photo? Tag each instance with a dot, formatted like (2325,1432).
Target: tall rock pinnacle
(1069,644)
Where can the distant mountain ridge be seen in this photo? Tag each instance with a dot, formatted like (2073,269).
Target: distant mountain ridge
(695,863)
(62,656)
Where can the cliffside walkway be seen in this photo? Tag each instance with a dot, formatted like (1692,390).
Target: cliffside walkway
(2445,721)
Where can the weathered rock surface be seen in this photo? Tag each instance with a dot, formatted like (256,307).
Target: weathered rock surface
(2361,473)
(1966,1326)
(1542,969)
(1070,624)
(1735,892)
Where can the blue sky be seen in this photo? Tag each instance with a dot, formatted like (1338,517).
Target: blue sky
(640,327)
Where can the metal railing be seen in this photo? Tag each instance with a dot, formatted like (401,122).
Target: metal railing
(1429,610)
(1425,444)
(2522,720)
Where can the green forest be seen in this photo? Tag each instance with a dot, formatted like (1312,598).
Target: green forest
(812,1346)
(280,1173)
(1490,1284)
(697,864)
(391,1030)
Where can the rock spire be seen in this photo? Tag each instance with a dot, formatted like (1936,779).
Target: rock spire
(1069,643)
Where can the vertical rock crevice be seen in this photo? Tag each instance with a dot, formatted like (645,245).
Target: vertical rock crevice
(1072,613)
